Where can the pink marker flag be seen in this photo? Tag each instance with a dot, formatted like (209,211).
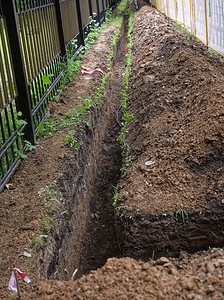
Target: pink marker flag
(89,71)
(13,283)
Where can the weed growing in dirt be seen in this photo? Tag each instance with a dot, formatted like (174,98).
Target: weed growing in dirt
(151,260)
(53,196)
(212,248)
(70,226)
(126,116)
(115,196)
(23,146)
(122,5)
(119,21)
(94,31)
(214,54)
(71,68)
(89,125)
(181,215)
(45,226)
(39,241)
(72,141)
(183,29)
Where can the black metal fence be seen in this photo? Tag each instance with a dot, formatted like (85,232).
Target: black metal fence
(35,38)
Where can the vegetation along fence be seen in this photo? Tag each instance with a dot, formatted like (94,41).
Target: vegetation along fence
(204,18)
(36,36)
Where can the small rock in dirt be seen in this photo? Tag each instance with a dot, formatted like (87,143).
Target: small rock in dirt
(189,284)
(149,78)
(149,162)
(26,254)
(162,260)
(210,289)
(95,215)
(198,297)
(172,132)
(210,267)
(201,277)
(145,266)
(61,156)
(27,228)
(222,201)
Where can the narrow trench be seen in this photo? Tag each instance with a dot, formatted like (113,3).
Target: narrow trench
(100,241)
(88,183)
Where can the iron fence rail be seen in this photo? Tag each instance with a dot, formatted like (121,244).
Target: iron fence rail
(35,36)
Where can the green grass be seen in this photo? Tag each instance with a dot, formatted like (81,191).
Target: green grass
(122,5)
(115,196)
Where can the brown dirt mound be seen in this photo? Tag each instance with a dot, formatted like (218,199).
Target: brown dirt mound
(198,277)
(177,99)
(171,197)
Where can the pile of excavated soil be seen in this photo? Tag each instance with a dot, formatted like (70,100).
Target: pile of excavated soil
(172,196)
(198,277)
(176,95)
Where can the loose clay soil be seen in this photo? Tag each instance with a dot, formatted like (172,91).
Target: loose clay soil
(176,96)
(171,198)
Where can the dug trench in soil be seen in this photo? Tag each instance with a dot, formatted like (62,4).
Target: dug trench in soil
(92,238)
(171,198)
(100,241)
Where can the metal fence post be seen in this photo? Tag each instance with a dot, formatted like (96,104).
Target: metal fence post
(98,11)
(90,8)
(103,9)
(23,100)
(60,28)
(80,22)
